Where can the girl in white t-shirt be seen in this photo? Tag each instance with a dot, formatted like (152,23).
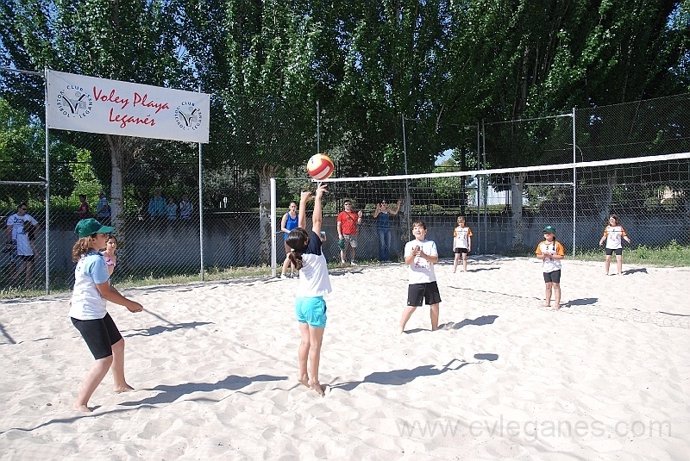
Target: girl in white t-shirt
(614,234)
(310,308)
(88,310)
(420,256)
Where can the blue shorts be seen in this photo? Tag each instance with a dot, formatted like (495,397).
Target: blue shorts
(312,311)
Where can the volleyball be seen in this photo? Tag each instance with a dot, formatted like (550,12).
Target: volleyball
(320,167)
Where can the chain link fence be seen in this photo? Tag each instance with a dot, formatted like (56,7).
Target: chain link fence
(171,228)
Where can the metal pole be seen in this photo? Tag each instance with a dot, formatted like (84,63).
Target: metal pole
(274,230)
(479,183)
(318,128)
(574,181)
(485,185)
(408,203)
(201,212)
(47,178)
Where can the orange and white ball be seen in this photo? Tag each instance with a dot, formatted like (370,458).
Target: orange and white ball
(320,167)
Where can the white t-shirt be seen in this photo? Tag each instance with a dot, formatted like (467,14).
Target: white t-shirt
(18,234)
(462,236)
(87,303)
(550,248)
(313,277)
(614,237)
(421,270)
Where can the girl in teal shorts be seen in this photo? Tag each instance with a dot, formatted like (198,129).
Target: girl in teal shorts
(310,307)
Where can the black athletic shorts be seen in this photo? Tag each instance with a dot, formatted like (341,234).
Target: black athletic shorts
(552,277)
(99,334)
(460,250)
(610,251)
(427,292)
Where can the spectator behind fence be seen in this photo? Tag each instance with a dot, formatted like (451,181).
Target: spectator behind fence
(186,208)
(83,211)
(382,215)
(103,209)
(157,206)
(171,209)
(19,230)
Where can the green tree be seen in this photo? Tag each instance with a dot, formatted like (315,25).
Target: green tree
(131,41)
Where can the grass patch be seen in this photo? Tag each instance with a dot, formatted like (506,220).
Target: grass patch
(671,255)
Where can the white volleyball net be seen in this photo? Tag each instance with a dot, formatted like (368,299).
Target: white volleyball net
(508,208)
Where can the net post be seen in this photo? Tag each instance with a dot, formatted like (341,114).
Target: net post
(47,181)
(574,180)
(273,226)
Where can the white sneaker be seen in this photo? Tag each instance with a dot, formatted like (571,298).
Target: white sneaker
(353,263)
(282,276)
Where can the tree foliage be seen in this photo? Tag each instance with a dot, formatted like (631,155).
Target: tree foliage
(439,64)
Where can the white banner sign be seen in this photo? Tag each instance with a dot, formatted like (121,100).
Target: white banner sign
(96,105)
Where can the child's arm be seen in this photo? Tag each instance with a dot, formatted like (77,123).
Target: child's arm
(409,258)
(469,242)
(377,211)
(303,199)
(433,259)
(110,293)
(603,237)
(625,235)
(317,217)
(538,252)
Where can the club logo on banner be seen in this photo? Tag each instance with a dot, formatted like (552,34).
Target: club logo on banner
(188,116)
(73,101)
(95,105)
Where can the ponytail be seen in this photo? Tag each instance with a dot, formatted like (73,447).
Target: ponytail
(80,248)
(297,240)
(295,258)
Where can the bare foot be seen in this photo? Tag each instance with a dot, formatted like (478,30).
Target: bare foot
(304,380)
(318,387)
(121,389)
(547,304)
(82,408)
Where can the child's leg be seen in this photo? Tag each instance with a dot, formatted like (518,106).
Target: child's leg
(455,261)
(547,295)
(315,341)
(619,264)
(607,264)
(433,312)
(303,353)
(118,367)
(407,313)
(91,382)
(342,255)
(286,264)
(353,253)
(557,295)
(464,262)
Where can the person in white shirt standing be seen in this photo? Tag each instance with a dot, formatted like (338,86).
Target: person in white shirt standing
(88,311)
(551,252)
(20,227)
(420,256)
(614,234)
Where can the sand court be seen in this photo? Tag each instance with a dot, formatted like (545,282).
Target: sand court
(215,370)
